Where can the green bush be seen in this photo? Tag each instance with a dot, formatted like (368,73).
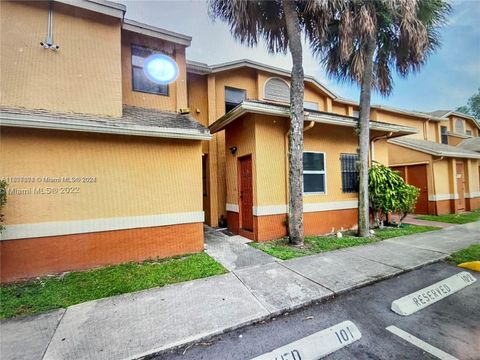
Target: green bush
(388,193)
(3,200)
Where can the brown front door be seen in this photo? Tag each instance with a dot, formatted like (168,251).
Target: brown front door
(416,175)
(246,192)
(460,187)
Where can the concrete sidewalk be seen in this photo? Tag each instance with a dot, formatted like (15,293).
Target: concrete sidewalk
(137,324)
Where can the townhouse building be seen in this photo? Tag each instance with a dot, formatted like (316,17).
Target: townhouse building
(106,166)
(102,164)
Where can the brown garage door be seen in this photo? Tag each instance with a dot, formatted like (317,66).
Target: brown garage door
(416,175)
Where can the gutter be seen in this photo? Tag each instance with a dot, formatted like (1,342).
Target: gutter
(94,127)
(372,144)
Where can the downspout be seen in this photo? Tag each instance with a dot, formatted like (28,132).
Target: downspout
(433,181)
(372,145)
(305,129)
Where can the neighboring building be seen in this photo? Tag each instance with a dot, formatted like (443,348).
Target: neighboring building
(216,93)
(102,166)
(440,161)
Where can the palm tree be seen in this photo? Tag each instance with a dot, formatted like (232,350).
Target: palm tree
(277,22)
(364,42)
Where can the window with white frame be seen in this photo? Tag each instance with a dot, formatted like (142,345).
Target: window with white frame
(277,89)
(314,174)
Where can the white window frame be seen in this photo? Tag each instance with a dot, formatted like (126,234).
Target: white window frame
(319,172)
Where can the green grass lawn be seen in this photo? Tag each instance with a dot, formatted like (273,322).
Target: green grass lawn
(471,253)
(462,218)
(317,244)
(48,293)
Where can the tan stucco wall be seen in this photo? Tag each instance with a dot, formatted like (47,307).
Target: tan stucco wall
(244,78)
(264,137)
(177,94)
(388,117)
(134,175)
(84,76)
(271,166)
(240,134)
(442,177)
(333,140)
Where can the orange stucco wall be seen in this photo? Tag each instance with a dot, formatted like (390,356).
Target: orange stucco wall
(84,76)
(26,258)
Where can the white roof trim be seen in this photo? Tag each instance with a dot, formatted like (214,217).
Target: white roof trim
(451,154)
(149,30)
(320,117)
(100,6)
(394,110)
(39,122)
(200,68)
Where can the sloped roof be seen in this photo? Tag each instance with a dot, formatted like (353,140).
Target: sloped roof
(283,110)
(202,69)
(446,113)
(135,121)
(433,148)
(472,144)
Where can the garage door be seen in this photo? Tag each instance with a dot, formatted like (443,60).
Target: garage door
(416,175)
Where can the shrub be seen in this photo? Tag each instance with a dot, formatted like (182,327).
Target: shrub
(388,193)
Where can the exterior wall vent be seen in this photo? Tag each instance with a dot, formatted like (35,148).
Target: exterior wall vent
(277,89)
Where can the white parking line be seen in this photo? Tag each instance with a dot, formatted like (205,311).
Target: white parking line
(317,345)
(420,343)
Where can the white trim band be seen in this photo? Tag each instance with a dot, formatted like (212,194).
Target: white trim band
(232,208)
(472,195)
(441,197)
(270,210)
(56,228)
(334,205)
(307,207)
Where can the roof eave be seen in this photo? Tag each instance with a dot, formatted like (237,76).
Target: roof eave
(100,6)
(144,29)
(323,118)
(39,122)
(433,152)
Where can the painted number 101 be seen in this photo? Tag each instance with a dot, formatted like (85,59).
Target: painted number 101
(344,335)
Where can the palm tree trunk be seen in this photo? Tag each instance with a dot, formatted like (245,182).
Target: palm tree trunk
(295,148)
(364,141)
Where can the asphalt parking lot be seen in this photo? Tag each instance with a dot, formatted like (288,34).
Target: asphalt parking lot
(451,326)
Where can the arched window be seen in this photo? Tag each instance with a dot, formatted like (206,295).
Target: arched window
(459,129)
(277,89)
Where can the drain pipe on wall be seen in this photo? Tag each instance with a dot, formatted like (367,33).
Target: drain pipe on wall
(372,145)
(287,135)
